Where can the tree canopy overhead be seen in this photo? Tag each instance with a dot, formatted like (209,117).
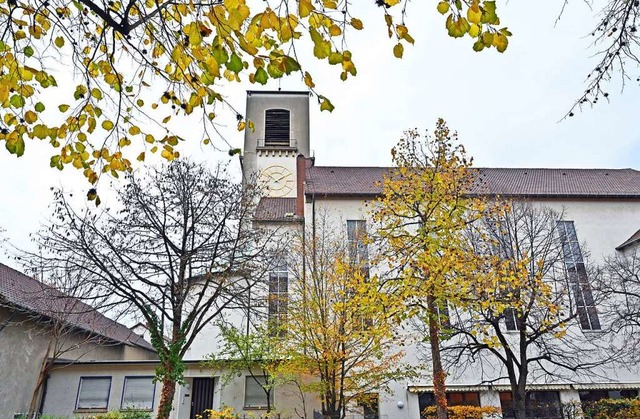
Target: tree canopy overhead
(135,64)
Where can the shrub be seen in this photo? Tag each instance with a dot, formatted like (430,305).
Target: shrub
(225,413)
(464,412)
(612,409)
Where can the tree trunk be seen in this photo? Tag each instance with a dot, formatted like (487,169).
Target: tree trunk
(519,405)
(42,376)
(438,372)
(166,398)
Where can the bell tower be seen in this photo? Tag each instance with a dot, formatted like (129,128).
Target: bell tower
(281,133)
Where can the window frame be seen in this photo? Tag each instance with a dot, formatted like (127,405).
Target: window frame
(577,277)
(78,408)
(254,380)
(278,296)
(124,389)
(277,142)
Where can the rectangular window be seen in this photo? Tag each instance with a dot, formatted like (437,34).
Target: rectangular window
(589,396)
(254,395)
(577,276)
(138,393)
(463,398)
(278,299)
(277,124)
(93,393)
(539,405)
(356,234)
(511,319)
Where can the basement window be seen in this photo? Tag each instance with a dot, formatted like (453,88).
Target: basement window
(277,128)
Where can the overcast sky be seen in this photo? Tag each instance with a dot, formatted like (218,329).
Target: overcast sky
(506,107)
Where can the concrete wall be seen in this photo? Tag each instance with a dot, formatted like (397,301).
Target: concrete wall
(64,381)
(23,347)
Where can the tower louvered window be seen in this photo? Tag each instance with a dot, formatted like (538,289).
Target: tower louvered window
(277,126)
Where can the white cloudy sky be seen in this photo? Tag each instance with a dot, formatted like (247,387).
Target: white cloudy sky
(505,107)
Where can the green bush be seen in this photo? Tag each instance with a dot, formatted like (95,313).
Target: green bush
(612,409)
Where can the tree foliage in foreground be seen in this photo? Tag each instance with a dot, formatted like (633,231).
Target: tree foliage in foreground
(532,292)
(420,217)
(135,64)
(339,325)
(179,252)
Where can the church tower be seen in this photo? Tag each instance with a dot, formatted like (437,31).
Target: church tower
(281,122)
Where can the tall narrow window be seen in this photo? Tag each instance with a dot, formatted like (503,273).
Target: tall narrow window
(278,294)
(577,275)
(356,233)
(511,319)
(277,124)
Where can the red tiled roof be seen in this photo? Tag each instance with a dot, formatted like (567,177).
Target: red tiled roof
(31,295)
(336,181)
(276,209)
(635,237)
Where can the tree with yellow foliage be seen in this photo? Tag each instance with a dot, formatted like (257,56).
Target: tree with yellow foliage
(340,324)
(420,217)
(130,66)
(531,300)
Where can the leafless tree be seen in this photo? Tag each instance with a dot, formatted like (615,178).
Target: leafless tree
(533,305)
(179,251)
(620,282)
(616,38)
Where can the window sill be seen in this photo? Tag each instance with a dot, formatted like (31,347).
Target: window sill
(95,410)
(255,407)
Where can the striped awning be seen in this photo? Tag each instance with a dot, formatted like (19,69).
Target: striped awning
(532,387)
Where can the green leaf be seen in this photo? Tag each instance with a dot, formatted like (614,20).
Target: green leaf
(39,107)
(335,58)
(59,42)
(326,104)
(63,108)
(235,63)
(17,101)
(15,146)
(28,51)
(107,125)
(261,76)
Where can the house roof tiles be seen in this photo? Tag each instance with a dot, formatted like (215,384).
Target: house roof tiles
(31,295)
(276,209)
(358,181)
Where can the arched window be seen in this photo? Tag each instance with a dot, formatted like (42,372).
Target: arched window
(277,124)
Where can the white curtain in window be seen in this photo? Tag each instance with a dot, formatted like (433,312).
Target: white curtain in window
(138,393)
(94,392)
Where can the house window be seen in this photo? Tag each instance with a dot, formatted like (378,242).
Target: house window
(138,393)
(277,124)
(539,405)
(278,295)
(369,403)
(590,396)
(254,395)
(511,319)
(462,398)
(577,275)
(93,393)
(356,233)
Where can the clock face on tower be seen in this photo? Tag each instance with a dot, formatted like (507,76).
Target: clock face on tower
(277,180)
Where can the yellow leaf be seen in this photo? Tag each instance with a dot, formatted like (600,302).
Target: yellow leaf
(107,125)
(474,15)
(392,2)
(398,50)
(474,30)
(443,7)
(134,130)
(335,30)
(30,117)
(141,156)
(59,42)
(308,81)
(356,23)
(305,8)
